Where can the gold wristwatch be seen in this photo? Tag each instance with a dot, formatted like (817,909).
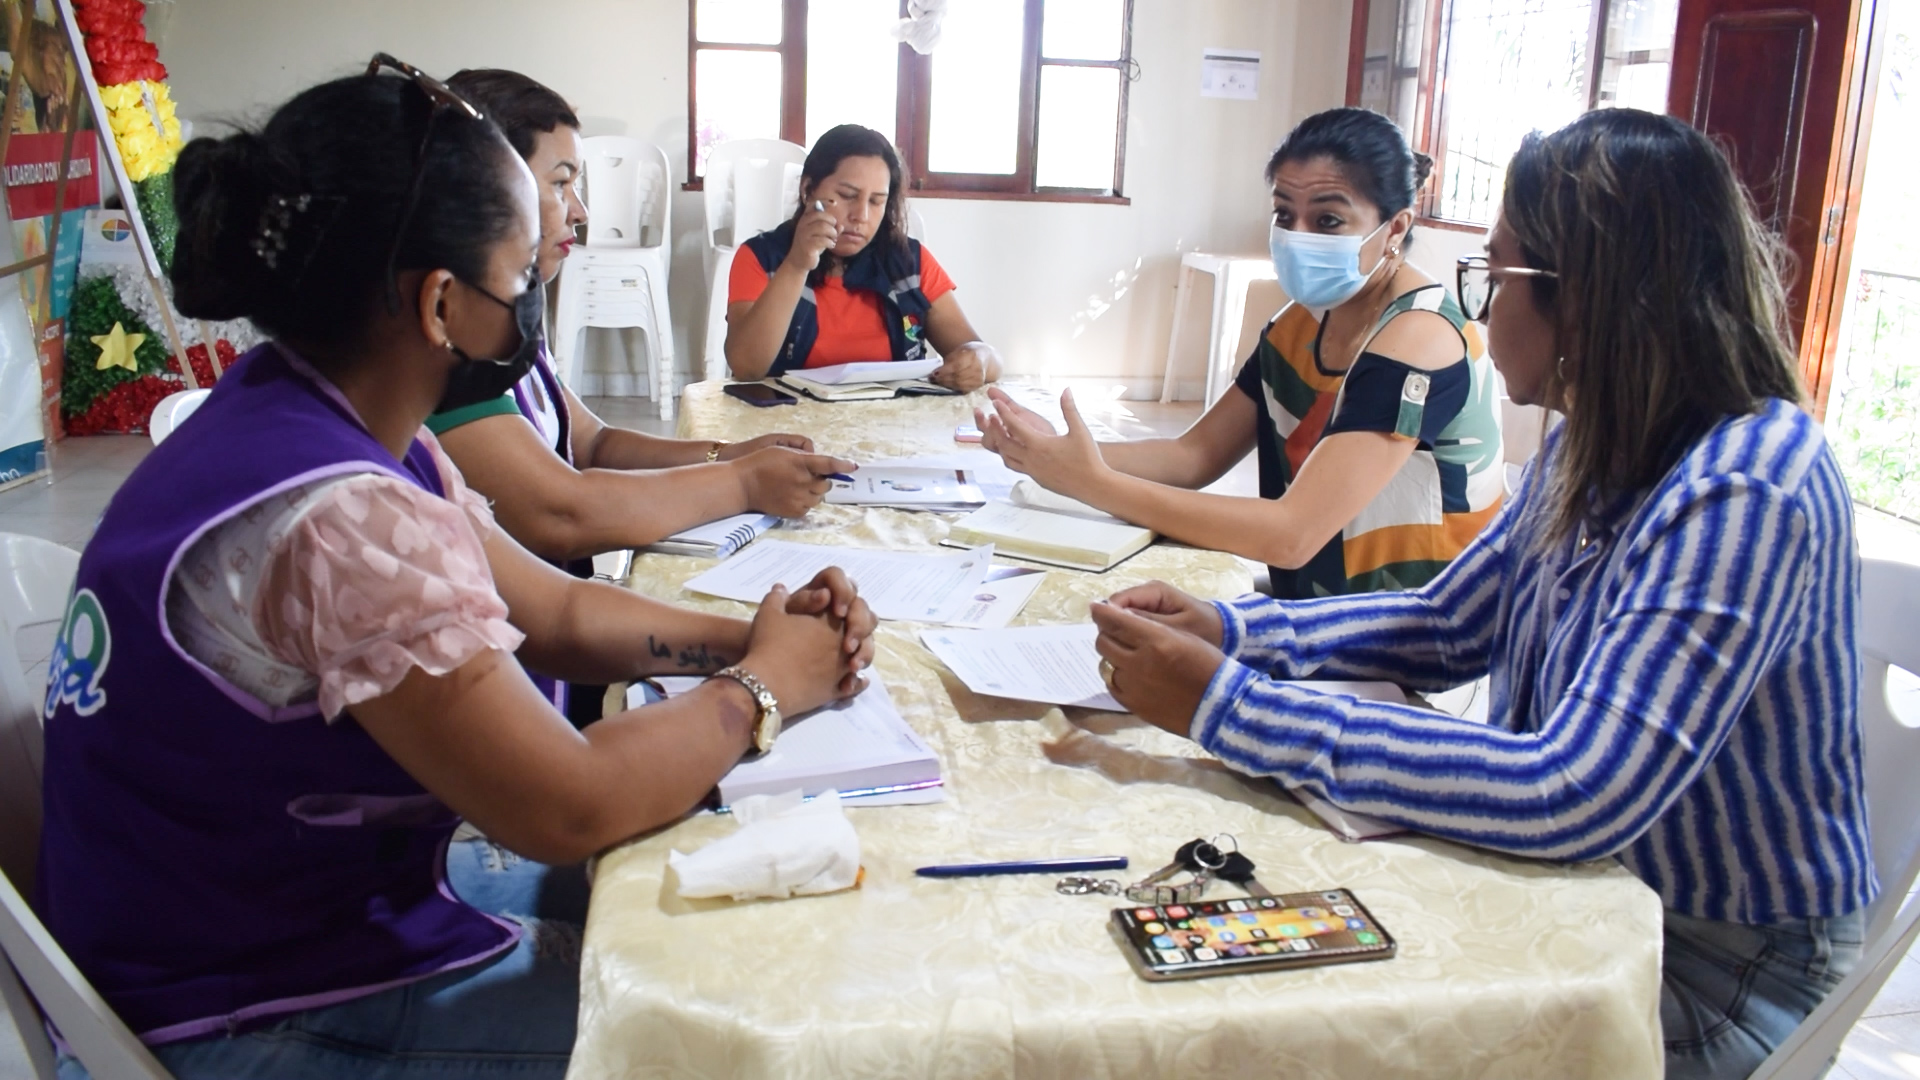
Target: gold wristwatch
(766,727)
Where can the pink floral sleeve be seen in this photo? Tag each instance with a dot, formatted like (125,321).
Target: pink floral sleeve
(381,577)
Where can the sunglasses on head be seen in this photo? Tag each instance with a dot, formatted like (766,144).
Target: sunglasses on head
(440,97)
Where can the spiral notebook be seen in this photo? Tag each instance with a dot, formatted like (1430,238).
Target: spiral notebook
(717,539)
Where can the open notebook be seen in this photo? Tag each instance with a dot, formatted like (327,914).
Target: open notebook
(871,381)
(853,747)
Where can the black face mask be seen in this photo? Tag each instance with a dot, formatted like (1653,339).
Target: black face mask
(477,379)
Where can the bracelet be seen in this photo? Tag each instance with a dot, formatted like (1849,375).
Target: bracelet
(713,452)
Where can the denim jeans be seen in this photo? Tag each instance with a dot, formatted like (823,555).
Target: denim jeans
(512,1015)
(1731,994)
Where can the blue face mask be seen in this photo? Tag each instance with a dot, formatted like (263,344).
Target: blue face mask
(1319,271)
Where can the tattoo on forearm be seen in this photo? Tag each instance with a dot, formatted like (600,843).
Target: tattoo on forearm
(699,657)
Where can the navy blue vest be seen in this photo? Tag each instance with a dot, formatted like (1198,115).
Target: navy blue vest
(891,272)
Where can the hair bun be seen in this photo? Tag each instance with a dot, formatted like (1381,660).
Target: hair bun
(221,187)
(1422,168)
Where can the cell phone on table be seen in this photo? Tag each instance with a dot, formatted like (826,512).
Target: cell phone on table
(759,395)
(1229,937)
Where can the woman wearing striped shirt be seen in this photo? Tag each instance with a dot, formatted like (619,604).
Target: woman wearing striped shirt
(1369,399)
(1667,608)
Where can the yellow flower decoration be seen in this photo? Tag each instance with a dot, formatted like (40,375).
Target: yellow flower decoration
(116,348)
(141,117)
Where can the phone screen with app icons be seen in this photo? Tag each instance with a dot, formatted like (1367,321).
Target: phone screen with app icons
(1224,937)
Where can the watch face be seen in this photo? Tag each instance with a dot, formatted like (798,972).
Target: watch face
(768,729)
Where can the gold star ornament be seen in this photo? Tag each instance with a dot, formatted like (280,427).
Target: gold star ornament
(116,348)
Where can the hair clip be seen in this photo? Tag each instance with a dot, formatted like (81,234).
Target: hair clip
(276,218)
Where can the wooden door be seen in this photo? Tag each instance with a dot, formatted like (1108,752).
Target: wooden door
(1779,84)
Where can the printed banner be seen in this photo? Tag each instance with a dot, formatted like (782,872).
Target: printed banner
(33,171)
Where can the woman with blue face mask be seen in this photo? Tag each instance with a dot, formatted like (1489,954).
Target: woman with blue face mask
(1369,398)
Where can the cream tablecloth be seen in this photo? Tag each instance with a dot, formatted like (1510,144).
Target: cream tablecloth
(1506,968)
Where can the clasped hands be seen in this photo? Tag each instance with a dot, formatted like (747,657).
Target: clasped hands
(810,645)
(1159,649)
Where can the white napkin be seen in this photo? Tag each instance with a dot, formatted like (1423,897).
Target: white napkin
(785,847)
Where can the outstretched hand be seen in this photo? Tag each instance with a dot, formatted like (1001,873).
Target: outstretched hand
(1069,464)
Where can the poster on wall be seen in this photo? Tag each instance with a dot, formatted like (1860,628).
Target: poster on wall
(51,164)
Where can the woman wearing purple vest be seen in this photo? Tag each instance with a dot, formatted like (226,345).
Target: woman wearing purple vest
(288,667)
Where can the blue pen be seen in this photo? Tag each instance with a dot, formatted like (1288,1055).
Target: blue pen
(1032,866)
(840,476)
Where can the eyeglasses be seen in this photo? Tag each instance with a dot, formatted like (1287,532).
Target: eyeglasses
(1473,281)
(439,96)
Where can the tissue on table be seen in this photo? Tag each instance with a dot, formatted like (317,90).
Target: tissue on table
(785,847)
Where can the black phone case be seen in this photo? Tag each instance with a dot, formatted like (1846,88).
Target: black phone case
(1152,952)
(739,392)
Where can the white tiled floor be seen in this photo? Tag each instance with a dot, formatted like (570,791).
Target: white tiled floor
(1884,1046)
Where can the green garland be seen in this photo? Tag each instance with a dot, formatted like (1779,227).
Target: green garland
(96,307)
(155,198)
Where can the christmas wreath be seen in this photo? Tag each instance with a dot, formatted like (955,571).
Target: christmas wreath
(113,383)
(139,106)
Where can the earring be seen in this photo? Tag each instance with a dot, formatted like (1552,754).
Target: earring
(1560,369)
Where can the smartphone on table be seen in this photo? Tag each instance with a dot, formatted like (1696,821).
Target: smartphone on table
(759,395)
(1227,937)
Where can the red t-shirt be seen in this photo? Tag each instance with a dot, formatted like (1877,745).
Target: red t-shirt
(852,329)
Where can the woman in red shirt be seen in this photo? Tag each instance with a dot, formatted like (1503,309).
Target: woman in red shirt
(845,283)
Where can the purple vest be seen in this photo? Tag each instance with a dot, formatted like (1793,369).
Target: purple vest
(554,689)
(207,859)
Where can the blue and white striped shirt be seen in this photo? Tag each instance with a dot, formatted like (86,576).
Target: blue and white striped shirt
(1679,689)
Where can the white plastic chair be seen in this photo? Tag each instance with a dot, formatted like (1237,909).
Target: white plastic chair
(751,185)
(171,411)
(1890,635)
(618,278)
(35,578)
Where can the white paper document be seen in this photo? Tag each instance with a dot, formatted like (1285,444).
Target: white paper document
(983,467)
(852,747)
(1051,664)
(908,488)
(871,371)
(1230,73)
(1006,590)
(901,585)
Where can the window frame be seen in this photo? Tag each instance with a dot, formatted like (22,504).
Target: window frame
(913,105)
(1428,120)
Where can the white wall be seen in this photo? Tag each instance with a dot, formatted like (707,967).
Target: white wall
(1068,290)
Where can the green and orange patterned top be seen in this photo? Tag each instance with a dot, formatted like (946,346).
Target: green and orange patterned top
(1438,501)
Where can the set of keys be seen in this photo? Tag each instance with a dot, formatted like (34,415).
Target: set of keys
(1204,860)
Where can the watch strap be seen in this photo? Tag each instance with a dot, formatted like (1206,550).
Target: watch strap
(766,726)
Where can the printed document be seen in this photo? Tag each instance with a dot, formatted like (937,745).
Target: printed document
(907,586)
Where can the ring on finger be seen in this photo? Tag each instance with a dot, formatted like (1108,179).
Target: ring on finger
(1106,672)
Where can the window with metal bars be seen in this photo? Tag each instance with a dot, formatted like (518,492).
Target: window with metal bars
(1020,99)
(1467,79)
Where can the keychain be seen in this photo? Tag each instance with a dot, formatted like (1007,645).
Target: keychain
(1203,859)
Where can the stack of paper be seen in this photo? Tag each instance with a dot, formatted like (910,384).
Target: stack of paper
(895,584)
(1052,664)
(861,748)
(717,539)
(1042,536)
(1057,665)
(908,488)
(864,381)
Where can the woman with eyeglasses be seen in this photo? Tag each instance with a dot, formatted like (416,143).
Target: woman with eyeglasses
(1667,608)
(562,482)
(288,669)
(1369,399)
